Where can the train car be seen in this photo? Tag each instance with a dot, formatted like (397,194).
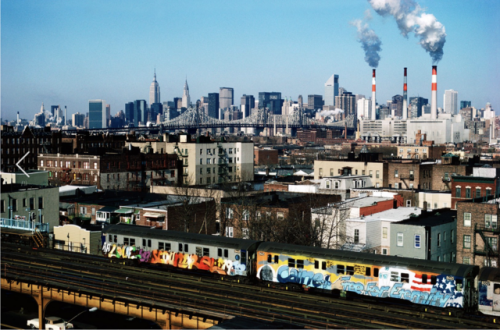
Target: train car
(422,282)
(488,287)
(218,255)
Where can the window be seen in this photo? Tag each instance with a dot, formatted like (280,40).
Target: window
(331,172)
(41,163)
(245,233)
(93,211)
(417,241)
(229,213)
(229,231)
(439,239)
(384,232)
(467,192)
(161,246)
(395,276)
(276,259)
(3,206)
(405,278)
(375,272)
(279,215)
(488,192)
(291,262)
(219,252)
(458,192)
(494,221)
(466,260)
(125,240)
(245,215)
(371,174)
(340,269)
(396,185)
(350,270)
(185,247)
(378,174)
(487,220)
(384,252)
(467,219)
(269,258)
(478,192)
(180,245)
(206,252)
(400,239)
(323,265)
(396,173)
(300,264)
(356,236)
(466,241)
(493,241)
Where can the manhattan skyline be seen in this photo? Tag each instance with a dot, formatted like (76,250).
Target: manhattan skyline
(66,53)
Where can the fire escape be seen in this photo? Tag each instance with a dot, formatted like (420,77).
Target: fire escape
(223,164)
(184,157)
(136,175)
(488,250)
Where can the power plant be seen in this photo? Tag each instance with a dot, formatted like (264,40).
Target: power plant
(434,93)
(374,90)
(405,98)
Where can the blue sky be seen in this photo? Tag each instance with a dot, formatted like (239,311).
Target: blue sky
(67,52)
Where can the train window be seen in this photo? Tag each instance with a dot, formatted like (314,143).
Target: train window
(161,245)
(243,257)
(459,284)
(276,259)
(167,247)
(368,271)
(300,264)
(180,247)
(206,252)
(198,251)
(149,243)
(226,253)
(405,278)
(395,276)
(291,262)
(340,269)
(219,252)
(144,242)
(132,241)
(433,279)
(323,265)
(186,248)
(350,270)
(375,272)
(496,288)
(110,238)
(424,278)
(269,258)
(116,239)
(125,241)
(316,264)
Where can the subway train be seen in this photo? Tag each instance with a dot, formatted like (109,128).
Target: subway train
(295,267)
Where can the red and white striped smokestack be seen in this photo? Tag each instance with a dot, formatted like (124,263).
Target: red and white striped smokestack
(405,98)
(434,93)
(374,90)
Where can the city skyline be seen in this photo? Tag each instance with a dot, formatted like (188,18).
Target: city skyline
(73,59)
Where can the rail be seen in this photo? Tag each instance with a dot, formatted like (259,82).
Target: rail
(24,225)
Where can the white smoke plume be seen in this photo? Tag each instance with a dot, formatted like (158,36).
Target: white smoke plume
(410,17)
(369,40)
(326,113)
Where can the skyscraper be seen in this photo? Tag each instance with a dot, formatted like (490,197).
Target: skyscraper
(226,97)
(140,112)
(416,104)
(331,89)
(314,102)
(78,119)
(271,101)
(129,112)
(108,114)
(397,105)
(346,102)
(213,105)
(154,91)
(53,109)
(465,104)
(300,101)
(186,101)
(97,114)
(450,103)
(247,104)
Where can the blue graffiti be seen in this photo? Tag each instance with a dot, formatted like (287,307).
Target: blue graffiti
(373,290)
(304,277)
(483,294)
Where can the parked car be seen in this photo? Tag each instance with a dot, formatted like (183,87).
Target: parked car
(51,323)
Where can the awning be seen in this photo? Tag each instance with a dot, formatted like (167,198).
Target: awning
(154,215)
(124,211)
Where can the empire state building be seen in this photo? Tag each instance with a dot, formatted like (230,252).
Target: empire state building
(154,92)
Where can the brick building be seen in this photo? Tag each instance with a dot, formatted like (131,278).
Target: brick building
(16,145)
(265,157)
(483,182)
(477,232)
(129,170)
(84,142)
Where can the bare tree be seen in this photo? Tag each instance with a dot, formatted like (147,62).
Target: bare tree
(329,224)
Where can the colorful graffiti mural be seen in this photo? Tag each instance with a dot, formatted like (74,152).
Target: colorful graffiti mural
(391,282)
(176,259)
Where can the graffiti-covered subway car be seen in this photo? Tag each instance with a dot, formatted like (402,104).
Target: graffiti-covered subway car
(488,287)
(419,281)
(220,255)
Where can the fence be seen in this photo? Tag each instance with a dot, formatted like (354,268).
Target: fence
(24,225)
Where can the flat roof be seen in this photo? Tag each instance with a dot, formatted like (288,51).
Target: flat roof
(432,218)
(366,201)
(399,214)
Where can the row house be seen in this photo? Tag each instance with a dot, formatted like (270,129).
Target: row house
(28,144)
(483,183)
(424,199)
(86,142)
(130,170)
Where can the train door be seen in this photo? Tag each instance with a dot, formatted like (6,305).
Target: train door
(244,262)
(496,296)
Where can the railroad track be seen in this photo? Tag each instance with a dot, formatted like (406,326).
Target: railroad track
(205,293)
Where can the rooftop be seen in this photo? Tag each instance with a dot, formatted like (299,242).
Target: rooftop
(432,218)
(396,215)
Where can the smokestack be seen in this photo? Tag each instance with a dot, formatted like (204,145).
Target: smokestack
(18,120)
(405,98)
(65,115)
(374,88)
(434,93)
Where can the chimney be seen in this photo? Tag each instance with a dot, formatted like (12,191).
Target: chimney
(434,93)
(374,88)
(405,98)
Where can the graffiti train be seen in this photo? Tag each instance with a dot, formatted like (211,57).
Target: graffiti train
(423,282)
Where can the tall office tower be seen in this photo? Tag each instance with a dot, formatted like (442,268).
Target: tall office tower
(97,114)
(53,109)
(65,115)
(247,104)
(156,109)
(213,105)
(416,104)
(397,105)
(450,103)
(465,104)
(383,112)
(108,114)
(331,89)
(154,91)
(314,102)
(300,101)
(226,97)
(129,112)
(186,101)
(364,109)
(140,112)
(271,101)
(77,119)
(178,102)
(346,102)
